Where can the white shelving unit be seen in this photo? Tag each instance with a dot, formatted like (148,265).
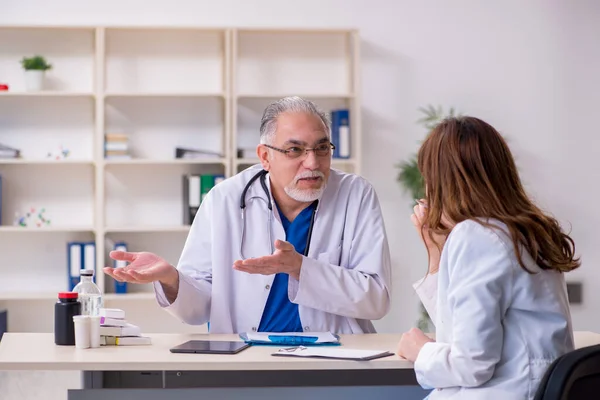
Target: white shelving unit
(163,87)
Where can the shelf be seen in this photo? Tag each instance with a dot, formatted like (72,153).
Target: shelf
(28,296)
(164,88)
(252,161)
(51,296)
(334,161)
(46,229)
(146,229)
(25,161)
(301,30)
(129,296)
(342,161)
(304,96)
(45,94)
(165,94)
(183,161)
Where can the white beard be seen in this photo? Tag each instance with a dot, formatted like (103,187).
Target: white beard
(306,195)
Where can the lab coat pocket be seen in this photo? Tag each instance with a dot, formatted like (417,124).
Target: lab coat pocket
(331,257)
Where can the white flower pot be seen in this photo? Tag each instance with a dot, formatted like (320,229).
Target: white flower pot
(34,80)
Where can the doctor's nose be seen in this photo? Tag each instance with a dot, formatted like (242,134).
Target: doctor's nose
(311,160)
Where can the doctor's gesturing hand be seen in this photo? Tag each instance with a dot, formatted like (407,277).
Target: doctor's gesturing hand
(145,267)
(285,259)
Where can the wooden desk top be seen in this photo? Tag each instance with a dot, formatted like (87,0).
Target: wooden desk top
(37,351)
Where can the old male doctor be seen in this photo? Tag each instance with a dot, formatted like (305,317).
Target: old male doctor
(289,245)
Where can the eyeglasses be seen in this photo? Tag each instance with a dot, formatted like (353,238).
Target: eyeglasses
(321,150)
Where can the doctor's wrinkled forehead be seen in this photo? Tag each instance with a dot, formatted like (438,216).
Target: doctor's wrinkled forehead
(293,104)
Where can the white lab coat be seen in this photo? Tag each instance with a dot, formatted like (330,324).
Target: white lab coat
(498,328)
(344,282)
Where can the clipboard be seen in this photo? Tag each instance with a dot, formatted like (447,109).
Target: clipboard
(332,353)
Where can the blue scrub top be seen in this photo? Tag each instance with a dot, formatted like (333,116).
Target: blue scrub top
(280,314)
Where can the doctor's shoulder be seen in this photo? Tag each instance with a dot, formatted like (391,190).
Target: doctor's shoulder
(352,185)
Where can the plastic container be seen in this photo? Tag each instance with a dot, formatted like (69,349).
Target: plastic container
(90,295)
(95,331)
(65,309)
(82,331)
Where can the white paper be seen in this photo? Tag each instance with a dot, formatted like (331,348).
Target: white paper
(322,337)
(329,352)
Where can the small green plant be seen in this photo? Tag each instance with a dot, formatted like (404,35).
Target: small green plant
(410,177)
(36,62)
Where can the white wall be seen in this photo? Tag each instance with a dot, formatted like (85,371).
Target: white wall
(528,67)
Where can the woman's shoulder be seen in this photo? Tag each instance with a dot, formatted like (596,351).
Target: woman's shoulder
(491,233)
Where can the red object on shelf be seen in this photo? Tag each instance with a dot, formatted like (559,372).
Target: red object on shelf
(3,86)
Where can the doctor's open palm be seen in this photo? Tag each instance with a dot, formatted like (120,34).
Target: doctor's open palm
(143,267)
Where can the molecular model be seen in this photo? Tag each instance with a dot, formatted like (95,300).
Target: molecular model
(31,218)
(61,154)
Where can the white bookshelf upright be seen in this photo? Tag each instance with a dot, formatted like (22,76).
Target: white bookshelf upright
(164,87)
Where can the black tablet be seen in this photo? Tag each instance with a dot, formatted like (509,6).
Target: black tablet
(210,347)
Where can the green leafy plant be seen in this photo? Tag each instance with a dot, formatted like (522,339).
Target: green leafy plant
(410,177)
(36,62)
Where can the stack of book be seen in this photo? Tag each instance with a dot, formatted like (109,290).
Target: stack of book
(116,146)
(116,331)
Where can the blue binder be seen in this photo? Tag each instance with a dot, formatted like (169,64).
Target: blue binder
(120,287)
(0,199)
(75,260)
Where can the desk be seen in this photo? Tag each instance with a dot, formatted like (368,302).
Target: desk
(152,372)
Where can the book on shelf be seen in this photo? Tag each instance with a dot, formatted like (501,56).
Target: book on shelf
(186,153)
(195,189)
(116,146)
(9,152)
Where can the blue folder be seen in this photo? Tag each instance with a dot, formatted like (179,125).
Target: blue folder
(289,340)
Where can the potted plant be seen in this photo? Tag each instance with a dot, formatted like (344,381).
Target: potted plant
(411,180)
(35,68)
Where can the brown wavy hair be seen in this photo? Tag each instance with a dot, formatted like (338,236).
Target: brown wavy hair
(470,174)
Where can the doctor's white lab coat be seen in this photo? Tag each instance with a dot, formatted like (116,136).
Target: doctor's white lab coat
(498,328)
(345,280)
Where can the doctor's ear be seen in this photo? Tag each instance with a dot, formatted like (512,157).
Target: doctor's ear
(264,156)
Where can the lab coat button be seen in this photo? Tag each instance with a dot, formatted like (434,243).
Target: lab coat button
(306,328)
(253,329)
(268,287)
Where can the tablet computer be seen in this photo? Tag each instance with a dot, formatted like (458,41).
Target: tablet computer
(210,347)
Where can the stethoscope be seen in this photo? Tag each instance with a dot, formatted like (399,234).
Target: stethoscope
(262,177)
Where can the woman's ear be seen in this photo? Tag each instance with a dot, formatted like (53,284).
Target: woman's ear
(263,155)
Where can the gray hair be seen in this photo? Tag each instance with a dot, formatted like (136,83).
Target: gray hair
(268,123)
